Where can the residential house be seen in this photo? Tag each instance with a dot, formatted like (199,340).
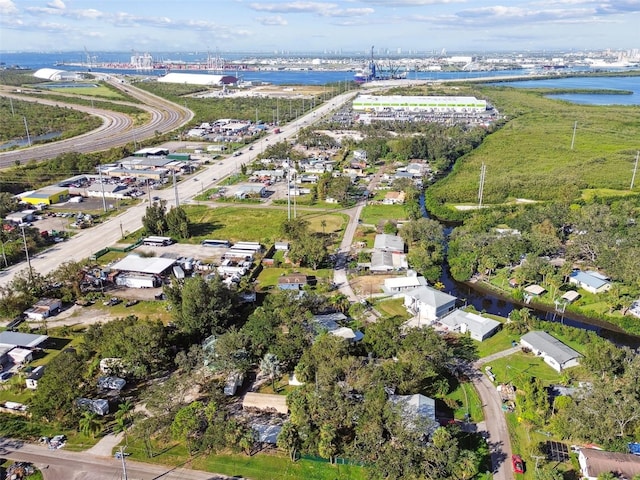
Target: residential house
(428,304)
(417,411)
(33,377)
(385,242)
(590,281)
(381,262)
(554,353)
(594,463)
(479,328)
(394,198)
(293,281)
(403,284)
(331,323)
(265,402)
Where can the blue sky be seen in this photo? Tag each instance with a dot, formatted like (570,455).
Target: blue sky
(306,26)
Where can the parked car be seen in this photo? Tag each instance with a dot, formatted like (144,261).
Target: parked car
(119,455)
(4,376)
(131,303)
(518,464)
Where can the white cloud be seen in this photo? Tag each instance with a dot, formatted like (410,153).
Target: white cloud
(58,4)
(7,7)
(314,8)
(275,20)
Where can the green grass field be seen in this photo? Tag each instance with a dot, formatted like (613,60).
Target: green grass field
(99,91)
(392,308)
(278,467)
(252,224)
(531,157)
(374,214)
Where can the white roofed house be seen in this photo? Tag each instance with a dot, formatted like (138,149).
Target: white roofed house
(428,304)
(554,353)
(478,327)
(417,411)
(388,243)
(403,284)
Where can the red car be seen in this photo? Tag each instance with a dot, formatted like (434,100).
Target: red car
(518,464)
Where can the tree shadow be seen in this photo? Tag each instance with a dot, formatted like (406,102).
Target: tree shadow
(205,228)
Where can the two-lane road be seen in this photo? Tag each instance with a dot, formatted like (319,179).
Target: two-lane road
(66,465)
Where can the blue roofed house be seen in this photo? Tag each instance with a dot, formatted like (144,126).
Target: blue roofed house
(590,281)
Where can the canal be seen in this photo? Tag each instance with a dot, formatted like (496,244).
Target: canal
(487,300)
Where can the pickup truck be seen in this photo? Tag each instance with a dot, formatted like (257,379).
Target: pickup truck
(276,130)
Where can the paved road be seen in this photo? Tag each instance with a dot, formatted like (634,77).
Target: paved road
(65,465)
(117,128)
(496,424)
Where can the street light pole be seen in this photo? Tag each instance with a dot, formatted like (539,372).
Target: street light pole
(26,127)
(26,251)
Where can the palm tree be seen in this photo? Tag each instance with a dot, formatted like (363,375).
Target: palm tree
(89,424)
(270,366)
(121,427)
(124,409)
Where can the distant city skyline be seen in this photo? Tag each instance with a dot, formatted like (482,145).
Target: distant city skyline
(396,26)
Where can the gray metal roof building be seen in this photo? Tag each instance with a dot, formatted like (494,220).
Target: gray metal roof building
(555,353)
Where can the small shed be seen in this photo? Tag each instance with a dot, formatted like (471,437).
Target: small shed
(570,296)
(534,290)
(265,402)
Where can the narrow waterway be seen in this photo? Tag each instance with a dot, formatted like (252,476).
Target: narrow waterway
(487,300)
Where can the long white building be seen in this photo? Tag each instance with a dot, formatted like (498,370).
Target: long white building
(435,104)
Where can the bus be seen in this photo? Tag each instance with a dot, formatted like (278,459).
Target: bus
(154,241)
(216,243)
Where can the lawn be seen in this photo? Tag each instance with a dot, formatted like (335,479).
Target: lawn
(471,401)
(251,224)
(374,214)
(99,91)
(262,466)
(392,308)
(531,156)
(277,467)
(497,343)
(514,367)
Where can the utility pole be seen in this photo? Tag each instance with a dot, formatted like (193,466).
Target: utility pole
(573,138)
(635,169)
(124,464)
(12,110)
(175,189)
(483,172)
(26,127)
(26,252)
(104,202)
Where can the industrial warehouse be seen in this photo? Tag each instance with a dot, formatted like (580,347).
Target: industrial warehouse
(444,109)
(440,104)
